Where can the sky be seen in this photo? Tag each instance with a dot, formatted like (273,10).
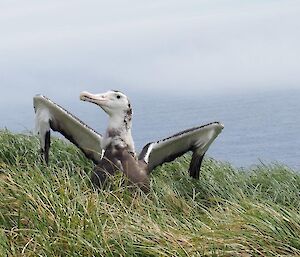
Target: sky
(60,48)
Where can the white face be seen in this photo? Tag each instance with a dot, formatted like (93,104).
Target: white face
(112,102)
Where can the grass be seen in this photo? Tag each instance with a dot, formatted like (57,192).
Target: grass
(53,211)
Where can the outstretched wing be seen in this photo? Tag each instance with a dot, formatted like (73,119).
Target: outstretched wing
(49,115)
(195,139)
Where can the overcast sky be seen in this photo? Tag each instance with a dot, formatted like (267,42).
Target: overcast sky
(63,47)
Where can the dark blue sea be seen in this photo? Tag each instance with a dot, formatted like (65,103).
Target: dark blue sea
(260,126)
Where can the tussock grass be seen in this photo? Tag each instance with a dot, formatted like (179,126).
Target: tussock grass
(53,211)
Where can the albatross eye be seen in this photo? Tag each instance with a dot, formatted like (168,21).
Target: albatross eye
(118,96)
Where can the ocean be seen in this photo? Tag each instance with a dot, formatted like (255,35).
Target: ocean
(260,126)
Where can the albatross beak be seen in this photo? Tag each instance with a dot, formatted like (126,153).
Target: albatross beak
(99,99)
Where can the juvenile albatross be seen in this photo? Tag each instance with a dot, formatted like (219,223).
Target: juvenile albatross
(117,143)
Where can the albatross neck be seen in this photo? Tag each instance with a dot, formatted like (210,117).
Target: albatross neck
(119,127)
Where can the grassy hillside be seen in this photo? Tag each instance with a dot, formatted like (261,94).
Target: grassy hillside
(53,211)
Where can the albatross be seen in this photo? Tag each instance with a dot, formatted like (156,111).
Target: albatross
(114,151)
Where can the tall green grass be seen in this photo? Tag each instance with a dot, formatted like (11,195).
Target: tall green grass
(53,211)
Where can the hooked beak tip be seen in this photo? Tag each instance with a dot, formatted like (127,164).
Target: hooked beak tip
(83,96)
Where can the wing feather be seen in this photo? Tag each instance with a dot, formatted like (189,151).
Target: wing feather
(196,139)
(49,115)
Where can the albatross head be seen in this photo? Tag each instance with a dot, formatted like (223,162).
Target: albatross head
(114,103)
(117,106)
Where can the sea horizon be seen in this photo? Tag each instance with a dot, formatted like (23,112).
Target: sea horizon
(261,126)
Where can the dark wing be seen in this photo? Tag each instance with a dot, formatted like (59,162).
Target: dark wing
(196,140)
(49,115)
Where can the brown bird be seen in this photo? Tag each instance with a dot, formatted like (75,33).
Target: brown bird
(115,150)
